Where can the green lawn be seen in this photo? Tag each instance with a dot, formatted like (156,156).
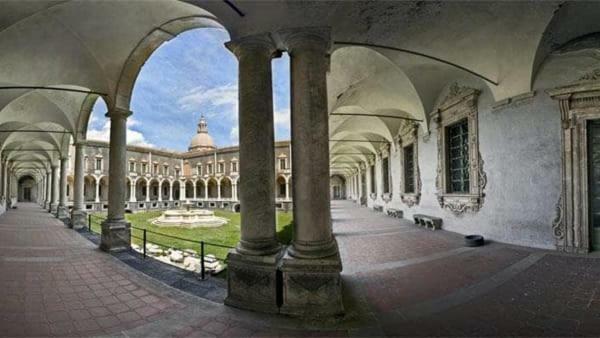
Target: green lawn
(228,234)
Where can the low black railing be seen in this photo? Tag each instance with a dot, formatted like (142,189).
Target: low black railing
(144,239)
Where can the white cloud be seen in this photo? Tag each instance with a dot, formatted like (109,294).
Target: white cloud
(226,95)
(234,135)
(282,118)
(134,137)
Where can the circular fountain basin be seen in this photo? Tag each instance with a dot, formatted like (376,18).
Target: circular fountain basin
(190,218)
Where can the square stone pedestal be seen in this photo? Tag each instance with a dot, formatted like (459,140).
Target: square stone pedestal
(62,212)
(116,236)
(252,281)
(312,287)
(79,219)
(53,208)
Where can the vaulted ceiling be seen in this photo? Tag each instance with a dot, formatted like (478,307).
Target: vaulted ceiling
(389,57)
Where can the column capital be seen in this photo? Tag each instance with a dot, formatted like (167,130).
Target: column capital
(118,113)
(255,44)
(302,38)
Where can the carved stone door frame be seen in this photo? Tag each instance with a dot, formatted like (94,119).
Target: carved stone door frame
(579,103)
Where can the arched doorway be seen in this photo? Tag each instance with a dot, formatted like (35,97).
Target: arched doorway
(281,187)
(226,191)
(338,187)
(212,188)
(27,189)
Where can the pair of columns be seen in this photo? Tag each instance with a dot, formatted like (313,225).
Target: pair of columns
(313,254)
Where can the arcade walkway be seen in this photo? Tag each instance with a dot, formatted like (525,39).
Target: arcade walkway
(398,280)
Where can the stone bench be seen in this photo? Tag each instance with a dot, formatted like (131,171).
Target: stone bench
(395,213)
(378,208)
(428,221)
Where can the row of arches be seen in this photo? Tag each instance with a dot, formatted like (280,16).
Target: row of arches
(154,189)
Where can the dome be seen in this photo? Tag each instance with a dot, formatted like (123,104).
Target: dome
(202,140)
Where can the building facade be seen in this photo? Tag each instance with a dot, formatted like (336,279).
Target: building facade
(204,175)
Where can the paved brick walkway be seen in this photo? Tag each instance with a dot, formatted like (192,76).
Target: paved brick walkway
(399,280)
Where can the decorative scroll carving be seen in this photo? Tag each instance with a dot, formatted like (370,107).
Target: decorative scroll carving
(579,103)
(592,75)
(460,103)
(557,224)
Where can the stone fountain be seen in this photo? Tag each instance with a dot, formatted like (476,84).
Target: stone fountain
(189,218)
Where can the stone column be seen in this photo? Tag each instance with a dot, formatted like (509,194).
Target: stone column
(195,197)
(313,254)
(234,191)
(132,190)
(287,189)
(54,199)
(63,210)
(78,214)
(182,192)
(115,229)
(253,264)
(205,191)
(160,192)
(147,191)
(171,191)
(97,187)
(218,190)
(48,189)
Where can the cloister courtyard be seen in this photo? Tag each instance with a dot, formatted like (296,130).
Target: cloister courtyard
(229,168)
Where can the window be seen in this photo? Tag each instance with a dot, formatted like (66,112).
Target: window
(131,166)
(144,167)
(209,168)
(98,164)
(409,169)
(373,183)
(176,172)
(199,169)
(165,169)
(221,167)
(155,169)
(457,136)
(385,174)
(234,167)
(461,179)
(282,164)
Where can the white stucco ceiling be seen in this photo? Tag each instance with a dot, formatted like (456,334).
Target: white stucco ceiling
(100,46)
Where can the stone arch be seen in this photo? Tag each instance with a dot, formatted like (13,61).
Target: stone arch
(27,189)
(226,187)
(142,52)
(189,189)
(89,188)
(212,188)
(571,20)
(281,186)
(154,189)
(103,182)
(200,186)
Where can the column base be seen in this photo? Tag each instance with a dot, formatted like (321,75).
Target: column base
(252,281)
(79,219)
(53,208)
(62,212)
(312,287)
(116,236)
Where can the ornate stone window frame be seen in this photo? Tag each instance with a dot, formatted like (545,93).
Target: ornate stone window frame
(579,103)
(373,179)
(460,103)
(409,135)
(385,153)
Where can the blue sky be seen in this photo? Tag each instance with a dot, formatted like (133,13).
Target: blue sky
(191,75)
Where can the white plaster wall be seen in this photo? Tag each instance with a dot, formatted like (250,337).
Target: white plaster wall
(520,147)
